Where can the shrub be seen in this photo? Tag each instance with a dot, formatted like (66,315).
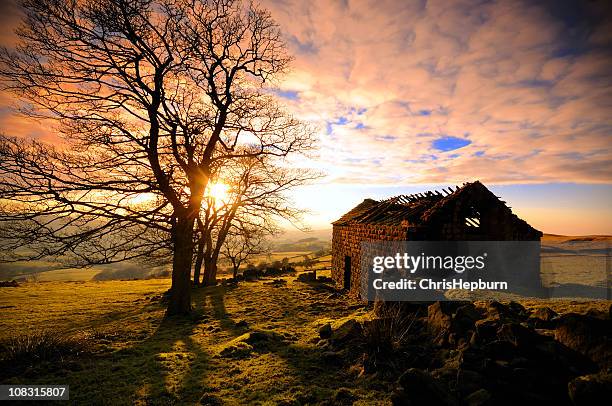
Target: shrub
(36,347)
(386,334)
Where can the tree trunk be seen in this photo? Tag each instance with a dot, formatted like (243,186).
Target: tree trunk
(210,271)
(197,268)
(180,292)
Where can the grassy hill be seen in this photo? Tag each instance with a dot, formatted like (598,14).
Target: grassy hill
(135,356)
(255,343)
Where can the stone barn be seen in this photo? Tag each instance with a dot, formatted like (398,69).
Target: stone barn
(467,213)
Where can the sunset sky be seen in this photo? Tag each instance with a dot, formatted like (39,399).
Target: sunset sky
(413,95)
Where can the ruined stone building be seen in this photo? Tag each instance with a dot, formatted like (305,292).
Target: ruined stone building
(467,213)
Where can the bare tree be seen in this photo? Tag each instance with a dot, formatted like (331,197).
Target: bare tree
(256,198)
(241,244)
(149,97)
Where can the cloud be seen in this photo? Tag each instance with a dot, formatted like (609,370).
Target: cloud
(518,77)
(519,91)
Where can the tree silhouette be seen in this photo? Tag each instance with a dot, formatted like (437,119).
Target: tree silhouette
(255,199)
(241,243)
(149,97)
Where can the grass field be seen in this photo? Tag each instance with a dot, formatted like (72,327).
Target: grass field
(142,358)
(137,356)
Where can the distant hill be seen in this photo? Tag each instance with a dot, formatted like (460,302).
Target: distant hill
(293,235)
(574,238)
(307,244)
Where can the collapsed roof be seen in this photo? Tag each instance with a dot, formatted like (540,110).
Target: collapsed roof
(421,209)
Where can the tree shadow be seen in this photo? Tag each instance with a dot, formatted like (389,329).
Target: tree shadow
(309,374)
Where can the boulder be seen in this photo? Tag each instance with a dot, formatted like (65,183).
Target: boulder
(588,335)
(518,309)
(9,284)
(468,381)
(307,277)
(465,317)
(479,397)
(544,313)
(543,318)
(518,335)
(503,313)
(486,330)
(591,389)
(446,318)
(325,331)
(561,360)
(241,324)
(417,387)
(349,330)
(439,320)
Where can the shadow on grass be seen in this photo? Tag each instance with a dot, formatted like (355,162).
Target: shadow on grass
(279,368)
(168,361)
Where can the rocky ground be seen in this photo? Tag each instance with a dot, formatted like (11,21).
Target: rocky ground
(291,340)
(486,353)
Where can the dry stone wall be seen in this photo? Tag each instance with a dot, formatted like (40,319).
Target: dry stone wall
(346,241)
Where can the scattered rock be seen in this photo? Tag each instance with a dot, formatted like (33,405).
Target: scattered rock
(439,320)
(277,283)
(480,397)
(502,312)
(325,279)
(331,357)
(518,335)
(543,318)
(244,345)
(242,324)
(486,330)
(451,321)
(468,381)
(307,277)
(350,330)
(501,350)
(587,335)
(9,284)
(590,389)
(518,309)
(325,331)
(417,387)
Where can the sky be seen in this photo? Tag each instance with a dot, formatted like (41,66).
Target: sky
(414,95)
(410,95)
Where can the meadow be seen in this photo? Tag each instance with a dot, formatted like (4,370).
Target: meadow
(140,357)
(257,342)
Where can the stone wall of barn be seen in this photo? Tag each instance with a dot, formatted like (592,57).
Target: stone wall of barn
(346,242)
(497,223)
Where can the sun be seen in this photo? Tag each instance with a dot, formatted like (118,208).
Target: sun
(218,191)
